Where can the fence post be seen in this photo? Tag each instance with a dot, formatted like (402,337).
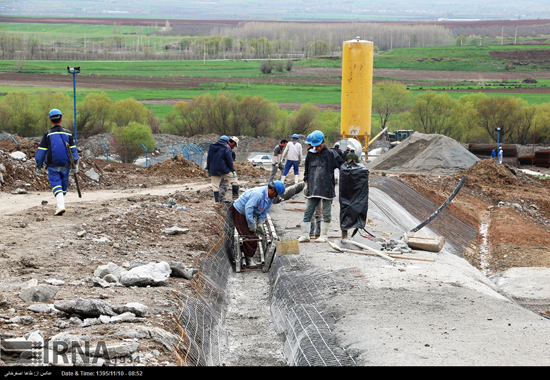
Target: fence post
(107,155)
(145,154)
(173,152)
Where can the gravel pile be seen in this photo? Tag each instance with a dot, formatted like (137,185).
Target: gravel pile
(425,153)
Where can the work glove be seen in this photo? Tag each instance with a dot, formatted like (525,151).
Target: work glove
(74,170)
(306,190)
(252,230)
(234,175)
(259,230)
(208,173)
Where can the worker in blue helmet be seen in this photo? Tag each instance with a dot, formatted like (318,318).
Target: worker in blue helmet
(249,212)
(293,156)
(219,164)
(53,152)
(320,182)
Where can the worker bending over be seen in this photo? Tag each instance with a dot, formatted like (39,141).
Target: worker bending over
(219,164)
(54,153)
(249,212)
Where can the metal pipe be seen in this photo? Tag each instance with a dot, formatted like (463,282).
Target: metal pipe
(145,154)
(107,155)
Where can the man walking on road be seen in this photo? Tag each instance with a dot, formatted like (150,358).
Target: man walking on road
(277,160)
(293,155)
(249,212)
(320,182)
(53,151)
(219,164)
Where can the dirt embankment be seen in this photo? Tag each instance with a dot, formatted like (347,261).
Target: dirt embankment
(513,206)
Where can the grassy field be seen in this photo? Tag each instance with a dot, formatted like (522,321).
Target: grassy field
(465,58)
(221,68)
(451,58)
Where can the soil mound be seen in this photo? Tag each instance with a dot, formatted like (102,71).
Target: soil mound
(491,172)
(177,166)
(425,154)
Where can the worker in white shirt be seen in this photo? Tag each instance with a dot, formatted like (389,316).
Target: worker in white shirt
(293,155)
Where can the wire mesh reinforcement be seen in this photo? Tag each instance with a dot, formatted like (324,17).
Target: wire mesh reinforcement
(299,300)
(298,305)
(457,233)
(200,315)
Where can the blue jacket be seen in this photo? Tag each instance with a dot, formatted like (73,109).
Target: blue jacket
(254,203)
(219,160)
(53,150)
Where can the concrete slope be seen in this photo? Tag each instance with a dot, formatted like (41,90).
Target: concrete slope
(415,313)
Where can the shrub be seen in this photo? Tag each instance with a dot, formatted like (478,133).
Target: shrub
(127,141)
(266,67)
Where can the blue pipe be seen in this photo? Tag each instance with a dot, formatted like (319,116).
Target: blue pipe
(145,154)
(107,155)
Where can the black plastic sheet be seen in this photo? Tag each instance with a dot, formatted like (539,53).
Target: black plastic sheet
(353,195)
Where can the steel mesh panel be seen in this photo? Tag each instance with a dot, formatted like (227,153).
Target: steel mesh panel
(457,233)
(298,309)
(200,316)
(538,306)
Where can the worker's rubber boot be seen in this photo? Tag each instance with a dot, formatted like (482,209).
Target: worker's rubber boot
(250,262)
(306,228)
(315,231)
(60,198)
(216,196)
(324,232)
(235,190)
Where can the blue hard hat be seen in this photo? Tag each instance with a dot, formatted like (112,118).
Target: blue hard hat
(295,136)
(224,138)
(308,139)
(279,187)
(55,114)
(317,137)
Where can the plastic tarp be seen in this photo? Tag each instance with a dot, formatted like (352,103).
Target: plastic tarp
(353,195)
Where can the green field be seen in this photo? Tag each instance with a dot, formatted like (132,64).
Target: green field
(452,58)
(221,68)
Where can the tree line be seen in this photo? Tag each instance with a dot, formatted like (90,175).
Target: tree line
(246,41)
(471,118)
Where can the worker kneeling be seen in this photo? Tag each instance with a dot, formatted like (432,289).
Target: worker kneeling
(249,212)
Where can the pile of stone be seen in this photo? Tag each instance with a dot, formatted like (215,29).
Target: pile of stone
(425,154)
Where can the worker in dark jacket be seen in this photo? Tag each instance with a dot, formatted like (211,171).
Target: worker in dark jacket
(320,182)
(54,153)
(224,183)
(219,164)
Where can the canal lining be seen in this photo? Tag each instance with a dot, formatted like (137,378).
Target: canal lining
(298,306)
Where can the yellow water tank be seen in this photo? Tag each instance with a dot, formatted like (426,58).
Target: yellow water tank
(356,107)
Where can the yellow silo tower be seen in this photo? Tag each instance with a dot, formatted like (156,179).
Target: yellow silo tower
(356,107)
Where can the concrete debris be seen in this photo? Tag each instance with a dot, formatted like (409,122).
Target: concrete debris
(175,230)
(154,274)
